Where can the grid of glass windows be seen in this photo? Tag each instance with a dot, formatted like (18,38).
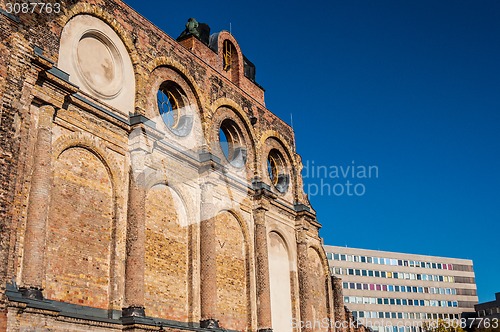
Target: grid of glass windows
(388,261)
(404,302)
(403,315)
(399,288)
(391,275)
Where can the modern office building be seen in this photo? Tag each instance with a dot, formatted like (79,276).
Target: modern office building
(395,289)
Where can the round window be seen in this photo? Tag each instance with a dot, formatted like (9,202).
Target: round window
(276,168)
(174,109)
(232,143)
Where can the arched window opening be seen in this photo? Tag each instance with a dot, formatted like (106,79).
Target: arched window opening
(277,170)
(230,61)
(232,143)
(174,108)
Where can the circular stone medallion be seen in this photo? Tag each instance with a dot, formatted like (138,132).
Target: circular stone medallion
(99,64)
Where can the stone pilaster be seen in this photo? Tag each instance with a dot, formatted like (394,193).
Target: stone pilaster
(38,208)
(136,237)
(338,300)
(208,266)
(264,321)
(303,273)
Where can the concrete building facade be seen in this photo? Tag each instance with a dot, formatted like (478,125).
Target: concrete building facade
(145,185)
(388,290)
(488,314)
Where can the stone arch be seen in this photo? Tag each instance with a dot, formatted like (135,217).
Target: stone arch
(183,189)
(324,260)
(80,228)
(231,63)
(317,286)
(273,134)
(96,147)
(240,113)
(241,119)
(154,180)
(164,73)
(167,246)
(233,306)
(226,36)
(100,57)
(91,143)
(277,142)
(237,109)
(280,278)
(244,228)
(100,13)
(286,241)
(176,66)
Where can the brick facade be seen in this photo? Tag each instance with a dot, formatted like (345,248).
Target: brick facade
(113,216)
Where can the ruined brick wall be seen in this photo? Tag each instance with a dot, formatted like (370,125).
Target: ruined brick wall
(318,291)
(80,230)
(167,266)
(338,299)
(10,92)
(3,320)
(105,205)
(232,278)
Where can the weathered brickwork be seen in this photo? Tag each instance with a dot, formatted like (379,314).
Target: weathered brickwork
(11,86)
(3,320)
(167,246)
(37,320)
(135,216)
(232,295)
(318,278)
(79,230)
(338,297)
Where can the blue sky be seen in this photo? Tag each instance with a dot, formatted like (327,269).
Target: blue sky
(411,87)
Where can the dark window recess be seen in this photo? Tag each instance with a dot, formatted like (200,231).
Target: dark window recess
(466,304)
(460,267)
(248,69)
(464,280)
(462,291)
